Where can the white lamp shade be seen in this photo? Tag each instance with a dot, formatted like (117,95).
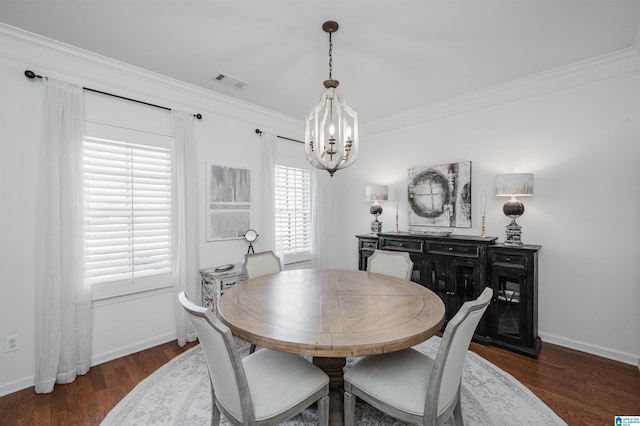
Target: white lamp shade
(377,193)
(514,185)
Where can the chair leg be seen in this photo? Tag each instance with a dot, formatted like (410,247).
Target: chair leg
(457,412)
(323,411)
(215,415)
(349,408)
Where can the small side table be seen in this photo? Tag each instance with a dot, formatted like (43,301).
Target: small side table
(214,284)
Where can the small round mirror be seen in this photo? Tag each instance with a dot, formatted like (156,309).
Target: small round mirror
(250,236)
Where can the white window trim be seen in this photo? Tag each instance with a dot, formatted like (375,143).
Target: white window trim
(111,289)
(305,255)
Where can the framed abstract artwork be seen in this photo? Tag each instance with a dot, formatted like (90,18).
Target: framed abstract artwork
(228,214)
(440,196)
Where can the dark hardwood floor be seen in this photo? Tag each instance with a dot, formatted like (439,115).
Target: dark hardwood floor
(87,400)
(583,389)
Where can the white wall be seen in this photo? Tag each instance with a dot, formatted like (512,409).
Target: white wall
(578,131)
(225,136)
(578,135)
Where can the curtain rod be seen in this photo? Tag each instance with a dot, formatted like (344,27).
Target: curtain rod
(31,75)
(260,132)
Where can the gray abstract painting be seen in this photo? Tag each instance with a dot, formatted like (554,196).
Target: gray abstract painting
(228,202)
(440,195)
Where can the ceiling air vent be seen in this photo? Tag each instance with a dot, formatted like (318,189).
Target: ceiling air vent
(231,81)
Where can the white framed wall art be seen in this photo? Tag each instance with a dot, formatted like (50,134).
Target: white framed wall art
(228,208)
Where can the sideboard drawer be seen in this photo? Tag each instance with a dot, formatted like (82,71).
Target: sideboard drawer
(515,260)
(471,251)
(402,245)
(368,245)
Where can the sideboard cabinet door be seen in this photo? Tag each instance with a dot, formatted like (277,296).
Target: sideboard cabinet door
(514,308)
(456,271)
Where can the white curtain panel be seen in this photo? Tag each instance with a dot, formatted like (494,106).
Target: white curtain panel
(184,237)
(318,219)
(63,295)
(267,212)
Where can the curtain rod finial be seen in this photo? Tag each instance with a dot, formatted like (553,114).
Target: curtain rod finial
(31,75)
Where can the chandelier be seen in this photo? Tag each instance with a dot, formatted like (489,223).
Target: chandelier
(331,128)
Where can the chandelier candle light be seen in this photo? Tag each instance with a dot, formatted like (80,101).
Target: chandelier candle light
(331,128)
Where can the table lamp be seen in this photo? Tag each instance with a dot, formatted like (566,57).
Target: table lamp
(376,193)
(514,185)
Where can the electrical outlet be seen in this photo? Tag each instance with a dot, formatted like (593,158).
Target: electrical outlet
(12,343)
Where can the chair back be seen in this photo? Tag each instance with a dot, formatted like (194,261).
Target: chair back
(263,263)
(229,386)
(394,263)
(445,379)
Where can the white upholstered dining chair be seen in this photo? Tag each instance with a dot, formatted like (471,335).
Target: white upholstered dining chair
(394,263)
(257,264)
(264,388)
(412,386)
(263,263)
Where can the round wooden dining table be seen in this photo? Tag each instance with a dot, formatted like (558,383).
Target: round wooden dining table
(331,314)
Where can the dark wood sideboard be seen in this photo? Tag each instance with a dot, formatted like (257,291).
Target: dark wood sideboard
(458,267)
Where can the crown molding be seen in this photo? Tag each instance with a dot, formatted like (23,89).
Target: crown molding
(60,60)
(612,65)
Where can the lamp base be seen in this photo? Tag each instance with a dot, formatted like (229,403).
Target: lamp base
(376,226)
(514,234)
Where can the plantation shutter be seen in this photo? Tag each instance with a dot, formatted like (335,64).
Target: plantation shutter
(293,211)
(128,201)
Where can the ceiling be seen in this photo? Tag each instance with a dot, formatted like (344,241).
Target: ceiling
(389,56)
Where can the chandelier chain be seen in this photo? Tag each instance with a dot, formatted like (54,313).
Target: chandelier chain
(330,56)
(331,128)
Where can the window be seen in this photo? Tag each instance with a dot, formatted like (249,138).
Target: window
(293,213)
(128,209)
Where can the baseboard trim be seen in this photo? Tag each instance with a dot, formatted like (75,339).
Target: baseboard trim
(626,358)
(16,386)
(130,349)
(28,382)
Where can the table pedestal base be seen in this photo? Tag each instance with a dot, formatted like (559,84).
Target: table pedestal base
(334,369)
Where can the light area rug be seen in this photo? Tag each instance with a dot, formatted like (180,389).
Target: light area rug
(178,393)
